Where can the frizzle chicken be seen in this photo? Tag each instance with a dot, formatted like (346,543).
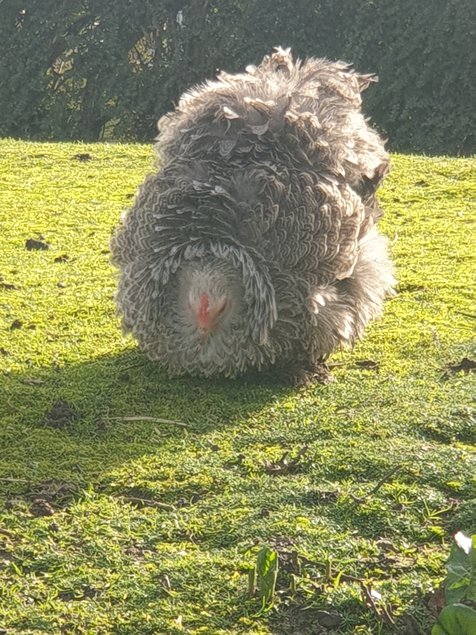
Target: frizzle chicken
(254,245)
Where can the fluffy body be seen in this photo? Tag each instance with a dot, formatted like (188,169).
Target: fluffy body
(254,244)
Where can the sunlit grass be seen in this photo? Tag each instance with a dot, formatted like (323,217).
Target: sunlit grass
(112,525)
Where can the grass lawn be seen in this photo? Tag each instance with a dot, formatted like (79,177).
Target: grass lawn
(115,518)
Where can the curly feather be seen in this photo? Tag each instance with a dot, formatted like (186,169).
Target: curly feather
(264,199)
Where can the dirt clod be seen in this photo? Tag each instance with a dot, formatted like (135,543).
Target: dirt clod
(31,244)
(329,619)
(286,464)
(82,156)
(41,507)
(8,286)
(367,364)
(61,415)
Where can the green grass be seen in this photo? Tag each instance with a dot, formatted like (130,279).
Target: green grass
(110,525)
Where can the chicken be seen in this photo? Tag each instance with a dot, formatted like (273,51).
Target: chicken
(254,245)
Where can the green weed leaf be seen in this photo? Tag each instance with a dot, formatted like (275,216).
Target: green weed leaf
(457,583)
(457,619)
(266,573)
(471,594)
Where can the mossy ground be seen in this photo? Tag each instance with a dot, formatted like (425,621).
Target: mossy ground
(113,525)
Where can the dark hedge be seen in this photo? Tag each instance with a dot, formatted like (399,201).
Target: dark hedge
(98,69)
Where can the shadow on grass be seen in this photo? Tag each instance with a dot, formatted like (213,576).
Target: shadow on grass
(67,427)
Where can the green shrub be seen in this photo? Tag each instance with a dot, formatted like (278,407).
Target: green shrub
(88,71)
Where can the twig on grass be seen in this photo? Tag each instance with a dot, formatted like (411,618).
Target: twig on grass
(468,315)
(361,499)
(148,502)
(383,612)
(151,419)
(129,366)
(10,479)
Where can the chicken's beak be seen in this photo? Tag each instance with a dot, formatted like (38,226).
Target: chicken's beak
(208,316)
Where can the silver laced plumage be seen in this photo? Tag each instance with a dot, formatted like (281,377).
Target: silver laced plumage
(264,194)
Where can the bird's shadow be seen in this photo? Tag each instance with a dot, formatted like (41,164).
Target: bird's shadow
(76,424)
